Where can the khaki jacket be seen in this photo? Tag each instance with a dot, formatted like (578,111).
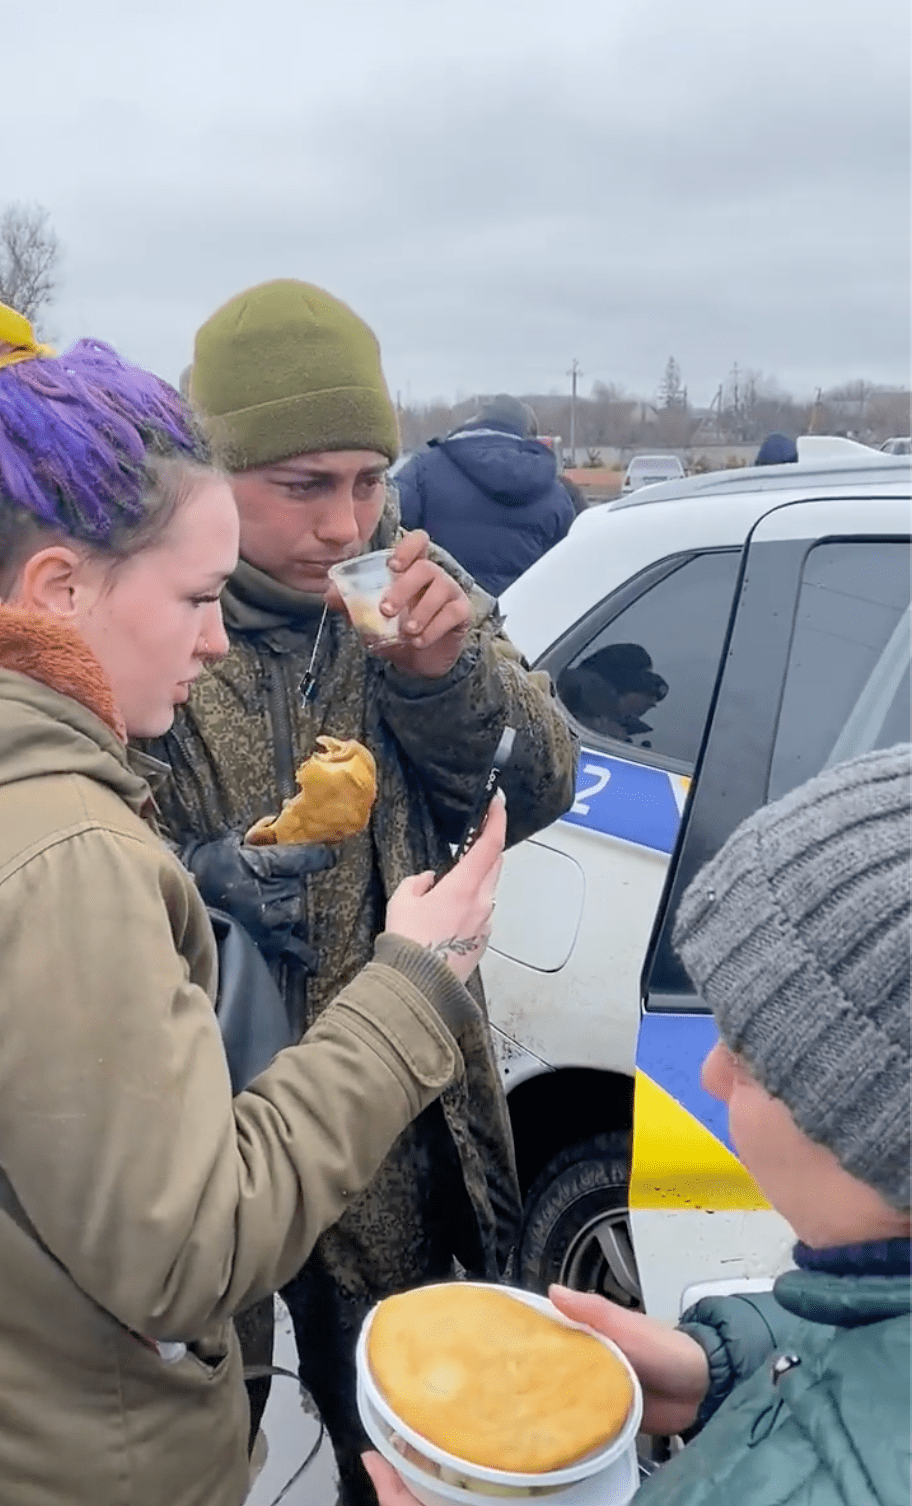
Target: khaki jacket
(140,1207)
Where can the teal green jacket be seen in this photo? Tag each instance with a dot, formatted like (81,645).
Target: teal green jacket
(813,1381)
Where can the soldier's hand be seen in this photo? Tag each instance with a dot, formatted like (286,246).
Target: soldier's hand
(261,888)
(433,610)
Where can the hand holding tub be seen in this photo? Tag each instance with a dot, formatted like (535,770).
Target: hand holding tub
(671,1366)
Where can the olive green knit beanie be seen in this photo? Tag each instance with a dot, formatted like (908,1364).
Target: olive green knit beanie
(286,369)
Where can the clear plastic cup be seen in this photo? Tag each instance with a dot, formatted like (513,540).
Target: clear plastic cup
(362,584)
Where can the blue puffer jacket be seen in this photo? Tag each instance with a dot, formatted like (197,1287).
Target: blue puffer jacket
(491,499)
(813,1380)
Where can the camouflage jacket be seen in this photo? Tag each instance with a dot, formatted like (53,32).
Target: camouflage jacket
(232,753)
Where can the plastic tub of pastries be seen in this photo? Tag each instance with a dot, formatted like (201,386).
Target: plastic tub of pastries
(604,1474)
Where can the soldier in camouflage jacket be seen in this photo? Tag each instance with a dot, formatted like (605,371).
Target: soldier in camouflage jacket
(448,1190)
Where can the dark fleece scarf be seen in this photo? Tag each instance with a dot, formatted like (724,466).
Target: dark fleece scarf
(878,1257)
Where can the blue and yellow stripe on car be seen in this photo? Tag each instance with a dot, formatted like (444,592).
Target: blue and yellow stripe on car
(682,1154)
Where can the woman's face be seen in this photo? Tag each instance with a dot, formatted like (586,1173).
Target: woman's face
(803,1181)
(153,623)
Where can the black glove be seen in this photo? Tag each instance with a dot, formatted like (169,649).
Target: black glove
(260,887)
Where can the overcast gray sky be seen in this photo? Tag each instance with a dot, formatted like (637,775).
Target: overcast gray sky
(496,187)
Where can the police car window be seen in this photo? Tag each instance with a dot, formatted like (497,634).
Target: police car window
(646,679)
(847,682)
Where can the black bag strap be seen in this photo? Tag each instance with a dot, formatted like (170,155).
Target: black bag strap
(250,1009)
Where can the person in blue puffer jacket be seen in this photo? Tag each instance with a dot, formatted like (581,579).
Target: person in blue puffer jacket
(797,936)
(489,494)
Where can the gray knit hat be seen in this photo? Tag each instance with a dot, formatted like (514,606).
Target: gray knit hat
(797,935)
(505,413)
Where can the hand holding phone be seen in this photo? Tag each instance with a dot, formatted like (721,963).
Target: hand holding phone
(502,755)
(452,915)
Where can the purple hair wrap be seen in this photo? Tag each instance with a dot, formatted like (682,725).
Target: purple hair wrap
(75,434)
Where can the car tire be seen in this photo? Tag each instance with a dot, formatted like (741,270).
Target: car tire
(576,1227)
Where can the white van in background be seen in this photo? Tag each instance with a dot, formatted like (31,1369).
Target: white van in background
(646,470)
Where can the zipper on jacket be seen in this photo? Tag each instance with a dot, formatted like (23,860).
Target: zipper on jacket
(782,1366)
(282,732)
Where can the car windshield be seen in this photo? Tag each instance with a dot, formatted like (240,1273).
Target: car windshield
(660,465)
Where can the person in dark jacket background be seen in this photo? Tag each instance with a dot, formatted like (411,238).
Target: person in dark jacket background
(797,936)
(488,493)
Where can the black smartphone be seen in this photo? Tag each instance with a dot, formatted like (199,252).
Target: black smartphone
(502,755)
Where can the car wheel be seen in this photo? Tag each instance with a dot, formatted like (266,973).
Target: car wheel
(576,1229)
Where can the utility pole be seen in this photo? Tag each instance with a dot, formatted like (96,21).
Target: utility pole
(710,428)
(399,416)
(736,402)
(573,374)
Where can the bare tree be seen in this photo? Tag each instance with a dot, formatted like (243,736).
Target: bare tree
(671,390)
(738,403)
(748,406)
(888,410)
(29,259)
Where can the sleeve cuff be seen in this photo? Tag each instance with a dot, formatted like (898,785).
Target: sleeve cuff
(433,977)
(721,1376)
(415,687)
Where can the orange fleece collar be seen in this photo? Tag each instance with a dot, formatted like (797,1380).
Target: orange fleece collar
(54,654)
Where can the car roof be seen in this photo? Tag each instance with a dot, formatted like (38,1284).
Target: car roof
(652,459)
(871,465)
(607,546)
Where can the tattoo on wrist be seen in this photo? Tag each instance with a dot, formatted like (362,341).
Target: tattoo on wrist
(457,946)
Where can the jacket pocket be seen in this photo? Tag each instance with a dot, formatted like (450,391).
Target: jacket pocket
(182,1367)
(211,1367)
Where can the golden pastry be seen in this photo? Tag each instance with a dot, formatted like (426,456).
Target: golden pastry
(494,1381)
(337,785)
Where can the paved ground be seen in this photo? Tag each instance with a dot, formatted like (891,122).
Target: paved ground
(291,1431)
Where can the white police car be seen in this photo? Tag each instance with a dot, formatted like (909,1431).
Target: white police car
(715,642)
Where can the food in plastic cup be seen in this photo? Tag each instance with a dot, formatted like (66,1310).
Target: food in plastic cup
(608,1476)
(362,583)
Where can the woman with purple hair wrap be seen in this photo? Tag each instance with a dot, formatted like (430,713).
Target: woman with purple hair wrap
(141,1205)
(76,433)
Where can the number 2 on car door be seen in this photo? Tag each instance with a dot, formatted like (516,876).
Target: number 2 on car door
(585,796)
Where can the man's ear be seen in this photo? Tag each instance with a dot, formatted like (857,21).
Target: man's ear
(48,582)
